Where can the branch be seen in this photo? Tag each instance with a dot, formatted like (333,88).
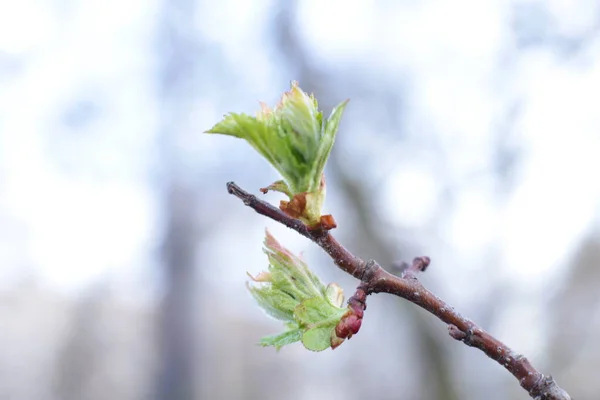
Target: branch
(374,279)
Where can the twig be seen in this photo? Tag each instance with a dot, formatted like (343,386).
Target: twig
(419,264)
(374,279)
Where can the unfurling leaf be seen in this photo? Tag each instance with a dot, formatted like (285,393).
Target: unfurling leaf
(296,140)
(278,341)
(317,339)
(292,293)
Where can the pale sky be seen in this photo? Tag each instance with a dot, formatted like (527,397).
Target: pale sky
(464,67)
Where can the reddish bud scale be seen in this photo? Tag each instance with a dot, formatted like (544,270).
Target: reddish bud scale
(327,222)
(351,322)
(348,326)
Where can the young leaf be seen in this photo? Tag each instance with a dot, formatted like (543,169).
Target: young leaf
(317,339)
(290,292)
(296,140)
(278,341)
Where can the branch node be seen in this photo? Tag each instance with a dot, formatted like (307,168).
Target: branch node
(462,336)
(546,388)
(456,333)
(369,269)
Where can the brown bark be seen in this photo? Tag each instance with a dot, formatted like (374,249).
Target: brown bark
(374,279)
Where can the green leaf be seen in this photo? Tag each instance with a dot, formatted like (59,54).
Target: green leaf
(285,282)
(318,311)
(292,293)
(317,339)
(258,134)
(289,270)
(279,186)
(327,141)
(228,126)
(276,303)
(299,277)
(282,339)
(295,139)
(300,110)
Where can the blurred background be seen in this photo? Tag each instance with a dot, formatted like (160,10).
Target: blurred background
(472,136)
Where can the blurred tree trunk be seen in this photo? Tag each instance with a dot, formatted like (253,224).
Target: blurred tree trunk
(433,362)
(108,351)
(78,359)
(575,318)
(176,77)
(177,345)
